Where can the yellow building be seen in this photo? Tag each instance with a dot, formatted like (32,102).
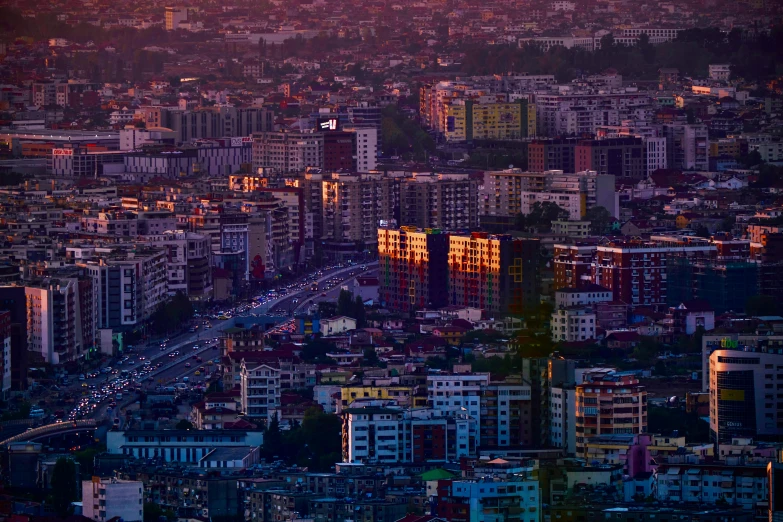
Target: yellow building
(725,147)
(466,120)
(404,396)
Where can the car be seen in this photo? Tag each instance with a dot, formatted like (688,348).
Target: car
(202,369)
(197,373)
(210,363)
(85,385)
(187,365)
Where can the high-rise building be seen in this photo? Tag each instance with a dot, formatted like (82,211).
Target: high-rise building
(459,393)
(175,16)
(740,372)
(444,201)
(513,191)
(104,499)
(687,146)
(188,263)
(60,318)
(609,403)
(621,157)
(13,300)
(288,152)
(353,207)
(412,268)
(467,120)
(5,343)
(573,265)
(636,271)
(552,154)
(496,273)
(506,415)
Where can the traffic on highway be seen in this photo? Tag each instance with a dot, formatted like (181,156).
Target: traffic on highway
(188,363)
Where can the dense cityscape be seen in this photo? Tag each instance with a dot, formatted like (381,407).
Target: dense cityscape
(444,261)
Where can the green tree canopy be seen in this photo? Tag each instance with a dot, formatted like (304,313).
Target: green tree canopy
(64,487)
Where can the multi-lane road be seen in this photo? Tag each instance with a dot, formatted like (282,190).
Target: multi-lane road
(189,354)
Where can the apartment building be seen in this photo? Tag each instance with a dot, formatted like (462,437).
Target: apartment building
(495,273)
(573,324)
(552,154)
(468,120)
(375,434)
(622,157)
(235,239)
(562,417)
(174,16)
(488,499)
(60,318)
(442,201)
(687,146)
(506,419)
(584,113)
(609,403)
(353,207)
(573,265)
(188,263)
(5,341)
(708,484)
(288,152)
(744,373)
(221,121)
(636,272)
(459,393)
(411,268)
(107,498)
(260,389)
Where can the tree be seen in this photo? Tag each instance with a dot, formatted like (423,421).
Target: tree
(369,357)
(759,305)
(542,214)
(184,425)
(154,513)
(702,231)
(172,314)
(273,439)
(359,313)
(321,434)
(345,303)
(600,219)
(64,488)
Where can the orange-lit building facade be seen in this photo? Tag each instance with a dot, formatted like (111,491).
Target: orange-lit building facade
(496,273)
(412,268)
(609,403)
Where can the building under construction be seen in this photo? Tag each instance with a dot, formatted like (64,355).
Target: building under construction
(726,286)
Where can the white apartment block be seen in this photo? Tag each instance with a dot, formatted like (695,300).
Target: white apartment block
(457,393)
(573,324)
(260,389)
(288,152)
(743,486)
(589,295)
(562,418)
(104,499)
(615,106)
(389,434)
(366,148)
(720,72)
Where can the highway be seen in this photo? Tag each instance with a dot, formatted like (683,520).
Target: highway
(153,364)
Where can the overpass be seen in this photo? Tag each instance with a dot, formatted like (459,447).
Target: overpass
(51,429)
